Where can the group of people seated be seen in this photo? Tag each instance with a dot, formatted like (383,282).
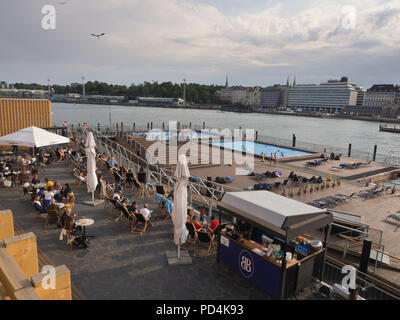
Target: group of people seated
(208,226)
(49,192)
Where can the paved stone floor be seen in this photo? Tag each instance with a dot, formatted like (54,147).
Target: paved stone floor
(121,265)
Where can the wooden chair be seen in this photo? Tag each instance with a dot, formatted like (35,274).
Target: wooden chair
(206,237)
(141,189)
(192,237)
(140,219)
(53,216)
(109,206)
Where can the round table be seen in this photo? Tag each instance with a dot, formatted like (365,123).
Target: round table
(84,222)
(60,204)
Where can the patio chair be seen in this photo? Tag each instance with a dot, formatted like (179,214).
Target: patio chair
(160,190)
(52,217)
(205,237)
(27,193)
(141,220)
(125,217)
(141,189)
(110,205)
(193,238)
(394,216)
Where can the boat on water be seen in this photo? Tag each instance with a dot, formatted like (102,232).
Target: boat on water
(387,128)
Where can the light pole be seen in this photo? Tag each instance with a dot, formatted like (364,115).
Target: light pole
(83,86)
(184,92)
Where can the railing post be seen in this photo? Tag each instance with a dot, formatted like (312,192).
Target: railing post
(294,141)
(98,127)
(163,126)
(210,206)
(374,156)
(122,128)
(148,126)
(256,135)
(134,125)
(349,151)
(117,127)
(204,125)
(151,127)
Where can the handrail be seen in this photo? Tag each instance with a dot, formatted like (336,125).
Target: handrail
(124,155)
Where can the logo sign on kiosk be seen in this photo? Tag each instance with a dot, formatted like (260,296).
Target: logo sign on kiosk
(246,264)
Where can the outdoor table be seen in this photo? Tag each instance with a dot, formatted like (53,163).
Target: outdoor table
(84,222)
(60,204)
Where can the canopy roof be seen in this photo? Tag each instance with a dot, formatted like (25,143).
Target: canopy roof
(274,212)
(32,137)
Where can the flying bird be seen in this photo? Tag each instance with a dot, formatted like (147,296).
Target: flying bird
(98,35)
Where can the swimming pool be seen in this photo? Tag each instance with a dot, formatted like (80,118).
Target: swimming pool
(258,148)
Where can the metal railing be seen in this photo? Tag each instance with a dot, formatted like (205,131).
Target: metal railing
(370,288)
(206,190)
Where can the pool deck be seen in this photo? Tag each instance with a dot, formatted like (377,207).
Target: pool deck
(121,265)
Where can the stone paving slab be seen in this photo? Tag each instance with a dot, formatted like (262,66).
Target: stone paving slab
(121,265)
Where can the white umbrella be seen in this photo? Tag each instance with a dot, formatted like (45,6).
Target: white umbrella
(32,137)
(179,210)
(91,179)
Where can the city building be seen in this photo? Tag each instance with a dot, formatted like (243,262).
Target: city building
(23,93)
(360,96)
(380,94)
(331,96)
(273,97)
(253,97)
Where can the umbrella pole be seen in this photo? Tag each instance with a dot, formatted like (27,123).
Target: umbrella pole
(93,196)
(179,249)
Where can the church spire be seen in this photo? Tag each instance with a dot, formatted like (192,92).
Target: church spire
(226,82)
(287,82)
(294,81)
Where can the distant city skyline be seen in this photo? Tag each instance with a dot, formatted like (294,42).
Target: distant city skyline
(257,43)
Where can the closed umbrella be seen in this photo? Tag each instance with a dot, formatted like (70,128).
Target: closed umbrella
(90,148)
(179,211)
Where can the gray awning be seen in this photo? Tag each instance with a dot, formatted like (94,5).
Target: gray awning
(280,214)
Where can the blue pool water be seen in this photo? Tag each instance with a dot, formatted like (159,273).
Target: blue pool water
(258,148)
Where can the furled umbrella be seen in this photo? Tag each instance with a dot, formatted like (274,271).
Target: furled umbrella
(90,148)
(179,210)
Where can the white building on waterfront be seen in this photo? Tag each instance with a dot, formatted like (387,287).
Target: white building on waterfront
(332,96)
(381,94)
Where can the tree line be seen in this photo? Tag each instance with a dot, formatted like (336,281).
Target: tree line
(195,93)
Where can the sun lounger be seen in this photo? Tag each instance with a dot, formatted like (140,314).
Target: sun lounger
(393,215)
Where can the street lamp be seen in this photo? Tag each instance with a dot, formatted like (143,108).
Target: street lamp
(184,92)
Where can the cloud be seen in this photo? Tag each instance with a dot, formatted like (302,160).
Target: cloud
(258,42)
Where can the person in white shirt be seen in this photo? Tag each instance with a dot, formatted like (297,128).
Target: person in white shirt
(145,212)
(48,195)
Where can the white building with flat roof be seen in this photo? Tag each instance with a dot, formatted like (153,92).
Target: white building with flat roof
(331,96)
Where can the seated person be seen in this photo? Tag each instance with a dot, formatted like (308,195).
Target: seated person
(145,212)
(48,195)
(49,183)
(133,207)
(190,215)
(117,187)
(70,199)
(52,206)
(119,197)
(64,191)
(213,224)
(112,163)
(243,228)
(129,176)
(81,177)
(195,221)
(38,205)
(35,179)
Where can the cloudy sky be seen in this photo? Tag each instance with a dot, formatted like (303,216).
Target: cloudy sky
(255,42)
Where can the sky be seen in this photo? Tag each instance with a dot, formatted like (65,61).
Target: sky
(253,42)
